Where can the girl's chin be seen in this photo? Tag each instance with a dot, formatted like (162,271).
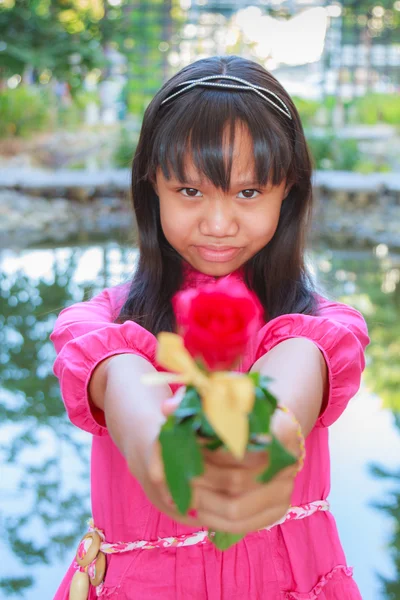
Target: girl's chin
(214,269)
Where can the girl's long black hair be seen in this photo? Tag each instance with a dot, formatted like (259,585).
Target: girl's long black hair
(193,124)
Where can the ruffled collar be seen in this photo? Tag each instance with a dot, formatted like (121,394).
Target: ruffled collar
(193,278)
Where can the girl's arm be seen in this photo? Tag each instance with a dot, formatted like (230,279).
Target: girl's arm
(116,389)
(316,361)
(100,365)
(84,336)
(299,378)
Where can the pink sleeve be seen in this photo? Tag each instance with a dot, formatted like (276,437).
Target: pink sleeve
(83,336)
(340,333)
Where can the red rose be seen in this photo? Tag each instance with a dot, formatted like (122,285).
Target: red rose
(217,321)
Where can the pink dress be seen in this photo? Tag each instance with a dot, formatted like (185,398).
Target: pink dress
(298,560)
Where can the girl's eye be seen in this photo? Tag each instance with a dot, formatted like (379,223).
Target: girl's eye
(190,192)
(249,194)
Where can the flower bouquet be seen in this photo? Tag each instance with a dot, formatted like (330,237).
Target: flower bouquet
(221,407)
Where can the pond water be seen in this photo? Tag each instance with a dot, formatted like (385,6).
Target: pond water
(44,486)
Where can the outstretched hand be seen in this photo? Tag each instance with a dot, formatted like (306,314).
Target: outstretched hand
(228,497)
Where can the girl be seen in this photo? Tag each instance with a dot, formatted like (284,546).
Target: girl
(221,186)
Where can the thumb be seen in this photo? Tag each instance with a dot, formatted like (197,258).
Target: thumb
(156,468)
(170,405)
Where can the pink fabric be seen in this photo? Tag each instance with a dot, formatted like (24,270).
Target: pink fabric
(300,559)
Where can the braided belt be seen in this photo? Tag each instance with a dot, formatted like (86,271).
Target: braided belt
(90,560)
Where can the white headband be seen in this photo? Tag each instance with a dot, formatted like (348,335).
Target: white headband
(208,82)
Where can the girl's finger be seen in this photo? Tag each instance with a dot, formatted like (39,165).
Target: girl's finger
(156,466)
(232,481)
(224,458)
(248,505)
(170,405)
(169,508)
(252,511)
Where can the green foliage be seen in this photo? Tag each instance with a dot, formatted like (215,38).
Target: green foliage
(122,157)
(366,167)
(279,458)
(24,110)
(308,110)
(182,460)
(182,456)
(377,108)
(28,109)
(83,98)
(69,117)
(332,153)
(62,37)
(70,38)
(223,540)
(377,296)
(358,19)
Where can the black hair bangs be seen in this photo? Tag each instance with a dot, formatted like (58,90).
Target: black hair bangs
(204,136)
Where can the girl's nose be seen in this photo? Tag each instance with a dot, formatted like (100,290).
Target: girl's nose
(219,220)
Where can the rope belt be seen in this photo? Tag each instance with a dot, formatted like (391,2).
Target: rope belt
(90,560)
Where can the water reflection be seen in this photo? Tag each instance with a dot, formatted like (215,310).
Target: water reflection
(45,503)
(391,506)
(44,494)
(370,282)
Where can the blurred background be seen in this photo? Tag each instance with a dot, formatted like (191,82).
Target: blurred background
(75,79)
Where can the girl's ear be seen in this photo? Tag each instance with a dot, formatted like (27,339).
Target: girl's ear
(154,184)
(287,190)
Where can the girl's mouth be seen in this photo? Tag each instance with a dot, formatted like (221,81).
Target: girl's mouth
(217,253)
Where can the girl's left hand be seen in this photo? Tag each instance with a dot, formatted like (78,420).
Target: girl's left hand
(227,497)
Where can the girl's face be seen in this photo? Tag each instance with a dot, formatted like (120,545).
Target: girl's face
(216,232)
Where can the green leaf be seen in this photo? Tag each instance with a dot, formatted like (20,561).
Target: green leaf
(260,416)
(214,445)
(223,540)
(273,402)
(205,428)
(182,460)
(190,405)
(259,380)
(279,458)
(255,377)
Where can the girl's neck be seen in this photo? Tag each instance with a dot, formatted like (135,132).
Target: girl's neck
(194,278)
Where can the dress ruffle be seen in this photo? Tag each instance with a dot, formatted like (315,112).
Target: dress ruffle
(79,357)
(335,328)
(337,573)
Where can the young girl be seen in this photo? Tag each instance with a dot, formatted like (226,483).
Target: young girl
(221,186)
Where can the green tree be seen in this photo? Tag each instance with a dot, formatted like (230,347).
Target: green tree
(66,39)
(363,19)
(63,38)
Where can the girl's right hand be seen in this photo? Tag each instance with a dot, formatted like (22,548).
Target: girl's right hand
(134,418)
(228,496)
(152,478)
(146,465)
